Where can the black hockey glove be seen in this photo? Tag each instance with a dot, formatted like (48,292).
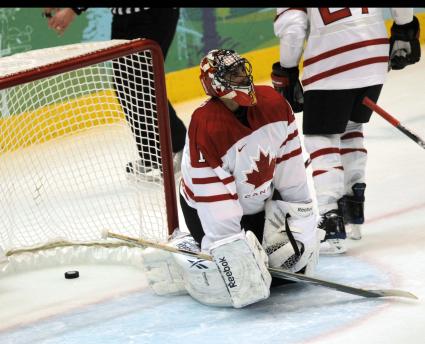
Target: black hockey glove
(286,81)
(404,44)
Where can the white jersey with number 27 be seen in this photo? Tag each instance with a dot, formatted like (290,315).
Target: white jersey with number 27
(346,47)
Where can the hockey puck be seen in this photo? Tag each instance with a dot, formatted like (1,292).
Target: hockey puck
(72,274)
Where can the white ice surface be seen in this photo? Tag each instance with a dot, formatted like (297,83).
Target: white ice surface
(112,304)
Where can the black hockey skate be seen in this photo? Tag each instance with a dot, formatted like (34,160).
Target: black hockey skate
(352,207)
(151,171)
(332,223)
(139,171)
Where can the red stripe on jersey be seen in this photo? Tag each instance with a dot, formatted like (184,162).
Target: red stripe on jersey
(324,151)
(344,68)
(290,137)
(344,49)
(352,135)
(211,180)
(351,150)
(208,199)
(295,152)
(319,172)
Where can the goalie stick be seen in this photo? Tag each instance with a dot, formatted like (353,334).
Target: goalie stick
(278,273)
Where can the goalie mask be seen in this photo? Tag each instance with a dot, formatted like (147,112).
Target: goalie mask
(225,74)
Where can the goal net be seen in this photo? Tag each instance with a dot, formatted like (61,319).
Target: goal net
(85,145)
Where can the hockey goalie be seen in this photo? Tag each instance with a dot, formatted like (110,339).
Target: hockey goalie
(243,193)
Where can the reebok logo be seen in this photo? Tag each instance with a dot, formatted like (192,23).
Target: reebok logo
(197,263)
(226,270)
(305,211)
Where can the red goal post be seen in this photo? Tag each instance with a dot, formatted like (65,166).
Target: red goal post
(72,117)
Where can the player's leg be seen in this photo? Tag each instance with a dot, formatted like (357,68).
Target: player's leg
(178,136)
(158,24)
(161,27)
(354,159)
(133,89)
(326,113)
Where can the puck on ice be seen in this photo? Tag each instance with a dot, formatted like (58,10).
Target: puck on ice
(72,274)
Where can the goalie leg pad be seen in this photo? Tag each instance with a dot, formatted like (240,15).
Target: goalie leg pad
(236,277)
(164,275)
(242,264)
(203,281)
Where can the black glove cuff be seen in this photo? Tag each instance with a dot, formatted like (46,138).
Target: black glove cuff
(291,73)
(406,32)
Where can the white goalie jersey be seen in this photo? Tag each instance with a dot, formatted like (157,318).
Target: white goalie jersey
(346,47)
(229,170)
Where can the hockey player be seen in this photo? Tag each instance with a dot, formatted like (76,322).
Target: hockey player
(243,193)
(346,58)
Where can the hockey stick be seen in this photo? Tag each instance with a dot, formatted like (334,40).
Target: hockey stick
(396,123)
(278,273)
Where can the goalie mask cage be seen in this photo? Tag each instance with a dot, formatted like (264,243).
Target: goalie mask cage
(72,118)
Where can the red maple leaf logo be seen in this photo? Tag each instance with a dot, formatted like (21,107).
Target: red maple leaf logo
(263,172)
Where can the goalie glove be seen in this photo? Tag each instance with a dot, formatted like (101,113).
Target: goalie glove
(286,82)
(291,238)
(405,48)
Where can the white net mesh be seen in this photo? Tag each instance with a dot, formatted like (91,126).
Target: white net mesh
(65,146)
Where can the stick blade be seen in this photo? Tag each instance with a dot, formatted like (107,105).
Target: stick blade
(394,292)
(370,293)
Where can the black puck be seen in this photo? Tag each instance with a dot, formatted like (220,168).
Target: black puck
(72,274)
